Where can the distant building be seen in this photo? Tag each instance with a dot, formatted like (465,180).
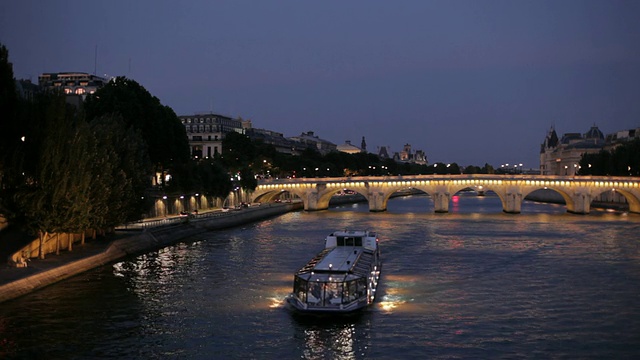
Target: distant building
(562,156)
(281,143)
(620,137)
(383,153)
(406,155)
(348,148)
(206,131)
(26,89)
(314,142)
(77,83)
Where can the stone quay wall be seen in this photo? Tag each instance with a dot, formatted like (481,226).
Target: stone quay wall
(141,242)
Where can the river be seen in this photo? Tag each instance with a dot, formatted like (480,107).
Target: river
(473,283)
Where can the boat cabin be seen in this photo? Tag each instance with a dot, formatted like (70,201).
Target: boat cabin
(338,275)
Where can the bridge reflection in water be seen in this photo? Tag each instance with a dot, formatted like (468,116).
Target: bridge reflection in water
(577,191)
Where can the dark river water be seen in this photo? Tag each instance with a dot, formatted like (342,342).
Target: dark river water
(471,284)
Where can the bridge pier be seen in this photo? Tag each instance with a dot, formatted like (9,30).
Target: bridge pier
(313,201)
(513,203)
(441,202)
(377,201)
(581,203)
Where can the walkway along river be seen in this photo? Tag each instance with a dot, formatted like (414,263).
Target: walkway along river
(473,283)
(15,282)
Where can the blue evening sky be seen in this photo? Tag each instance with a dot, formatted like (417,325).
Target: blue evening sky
(465,81)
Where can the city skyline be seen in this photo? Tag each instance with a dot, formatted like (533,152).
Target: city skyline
(467,82)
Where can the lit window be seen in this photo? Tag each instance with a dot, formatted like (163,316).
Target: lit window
(68,91)
(80,91)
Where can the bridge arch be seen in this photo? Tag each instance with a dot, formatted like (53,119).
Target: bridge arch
(633,198)
(568,200)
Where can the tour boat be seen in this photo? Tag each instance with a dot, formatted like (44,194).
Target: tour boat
(342,278)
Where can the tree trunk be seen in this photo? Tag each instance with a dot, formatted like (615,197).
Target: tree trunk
(57,244)
(70,239)
(82,238)
(94,234)
(40,250)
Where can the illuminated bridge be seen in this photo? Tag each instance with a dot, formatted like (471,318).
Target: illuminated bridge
(577,191)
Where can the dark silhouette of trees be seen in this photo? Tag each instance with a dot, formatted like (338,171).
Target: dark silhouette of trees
(623,160)
(163,133)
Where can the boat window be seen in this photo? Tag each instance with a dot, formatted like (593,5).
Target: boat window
(300,289)
(333,293)
(315,293)
(350,291)
(361,287)
(349,241)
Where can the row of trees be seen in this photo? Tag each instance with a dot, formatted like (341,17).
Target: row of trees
(68,170)
(623,160)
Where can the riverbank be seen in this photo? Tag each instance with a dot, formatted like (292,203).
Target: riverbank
(16,282)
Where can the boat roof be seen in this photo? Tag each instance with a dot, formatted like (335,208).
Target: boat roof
(340,259)
(363,233)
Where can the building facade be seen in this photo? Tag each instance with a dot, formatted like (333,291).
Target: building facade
(561,156)
(206,132)
(407,155)
(72,83)
(310,140)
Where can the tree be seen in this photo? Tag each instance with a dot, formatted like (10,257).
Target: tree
(623,160)
(163,133)
(123,168)
(56,197)
(11,144)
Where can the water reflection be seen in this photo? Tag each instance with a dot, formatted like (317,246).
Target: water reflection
(328,337)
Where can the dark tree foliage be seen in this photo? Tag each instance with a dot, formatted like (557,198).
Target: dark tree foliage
(9,124)
(623,160)
(55,197)
(471,169)
(214,180)
(159,126)
(248,179)
(238,151)
(123,156)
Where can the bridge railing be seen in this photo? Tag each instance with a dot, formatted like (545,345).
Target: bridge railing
(571,178)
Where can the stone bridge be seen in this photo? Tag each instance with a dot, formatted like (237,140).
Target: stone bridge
(577,191)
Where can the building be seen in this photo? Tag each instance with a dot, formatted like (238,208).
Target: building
(76,85)
(206,132)
(407,155)
(348,148)
(620,137)
(383,153)
(562,156)
(281,143)
(310,140)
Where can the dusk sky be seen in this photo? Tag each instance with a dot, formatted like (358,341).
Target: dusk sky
(465,81)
